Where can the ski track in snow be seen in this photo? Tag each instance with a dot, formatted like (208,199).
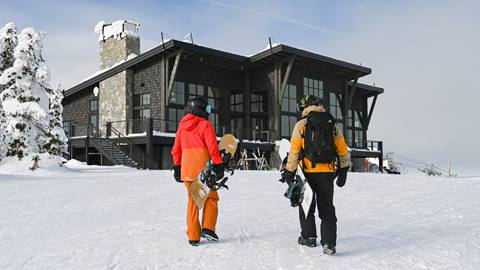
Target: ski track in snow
(120,218)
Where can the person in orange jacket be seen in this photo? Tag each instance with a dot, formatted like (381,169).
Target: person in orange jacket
(319,176)
(196,143)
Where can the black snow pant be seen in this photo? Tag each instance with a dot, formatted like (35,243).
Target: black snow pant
(322,186)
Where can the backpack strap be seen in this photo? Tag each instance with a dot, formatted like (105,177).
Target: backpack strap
(302,151)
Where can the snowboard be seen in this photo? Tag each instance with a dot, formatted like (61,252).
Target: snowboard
(207,180)
(308,193)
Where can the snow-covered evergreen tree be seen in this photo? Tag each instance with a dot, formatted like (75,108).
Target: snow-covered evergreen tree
(8,42)
(25,101)
(57,142)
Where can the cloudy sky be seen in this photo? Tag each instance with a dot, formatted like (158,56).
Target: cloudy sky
(424,53)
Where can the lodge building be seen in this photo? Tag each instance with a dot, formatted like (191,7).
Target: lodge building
(128,112)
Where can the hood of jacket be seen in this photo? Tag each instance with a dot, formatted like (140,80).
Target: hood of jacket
(312,108)
(190,122)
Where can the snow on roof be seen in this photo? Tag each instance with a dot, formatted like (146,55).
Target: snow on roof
(130,56)
(117,29)
(265,49)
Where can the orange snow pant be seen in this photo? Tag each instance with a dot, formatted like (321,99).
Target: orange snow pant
(209,217)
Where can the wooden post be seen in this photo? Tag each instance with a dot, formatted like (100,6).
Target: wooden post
(380,159)
(247,121)
(149,140)
(345,108)
(109,129)
(87,144)
(369,116)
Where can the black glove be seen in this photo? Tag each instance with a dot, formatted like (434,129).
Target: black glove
(219,170)
(176,173)
(342,176)
(287,176)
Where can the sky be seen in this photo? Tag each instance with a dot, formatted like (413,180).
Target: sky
(423,53)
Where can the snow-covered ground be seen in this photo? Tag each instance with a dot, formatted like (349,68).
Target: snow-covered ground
(120,218)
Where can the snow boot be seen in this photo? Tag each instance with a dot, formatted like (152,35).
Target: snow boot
(209,235)
(329,249)
(309,242)
(194,243)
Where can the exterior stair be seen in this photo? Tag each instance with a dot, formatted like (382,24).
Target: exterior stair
(113,152)
(119,149)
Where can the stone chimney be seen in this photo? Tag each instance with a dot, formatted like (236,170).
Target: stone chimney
(119,42)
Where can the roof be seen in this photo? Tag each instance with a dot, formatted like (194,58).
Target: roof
(208,55)
(281,51)
(224,59)
(367,90)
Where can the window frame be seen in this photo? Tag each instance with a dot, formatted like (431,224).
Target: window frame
(260,103)
(236,101)
(177,107)
(311,85)
(288,117)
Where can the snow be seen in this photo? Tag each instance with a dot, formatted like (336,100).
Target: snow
(268,47)
(117,29)
(129,57)
(48,165)
(91,217)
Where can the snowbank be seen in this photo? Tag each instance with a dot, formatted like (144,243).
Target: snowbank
(48,165)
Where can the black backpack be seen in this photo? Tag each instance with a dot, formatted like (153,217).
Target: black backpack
(319,141)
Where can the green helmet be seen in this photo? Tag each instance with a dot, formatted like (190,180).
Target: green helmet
(306,101)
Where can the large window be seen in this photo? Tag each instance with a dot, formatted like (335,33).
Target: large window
(358,128)
(257,103)
(312,87)
(350,128)
(195,90)
(236,125)
(358,122)
(259,129)
(67,128)
(350,119)
(289,110)
(359,141)
(288,122)
(94,105)
(236,102)
(213,96)
(289,101)
(93,117)
(176,106)
(178,93)
(349,138)
(174,117)
(141,106)
(335,108)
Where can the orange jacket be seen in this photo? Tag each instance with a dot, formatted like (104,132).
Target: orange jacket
(297,144)
(195,143)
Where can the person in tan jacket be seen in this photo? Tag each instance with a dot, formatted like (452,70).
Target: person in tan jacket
(320,177)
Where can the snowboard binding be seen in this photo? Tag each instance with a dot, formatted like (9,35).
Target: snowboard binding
(209,178)
(295,191)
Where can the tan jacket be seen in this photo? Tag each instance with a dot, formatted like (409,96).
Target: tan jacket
(297,144)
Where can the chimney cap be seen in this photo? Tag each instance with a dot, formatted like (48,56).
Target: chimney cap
(117,29)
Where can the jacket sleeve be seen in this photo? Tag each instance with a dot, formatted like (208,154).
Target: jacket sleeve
(295,146)
(177,149)
(211,142)
(342,148)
